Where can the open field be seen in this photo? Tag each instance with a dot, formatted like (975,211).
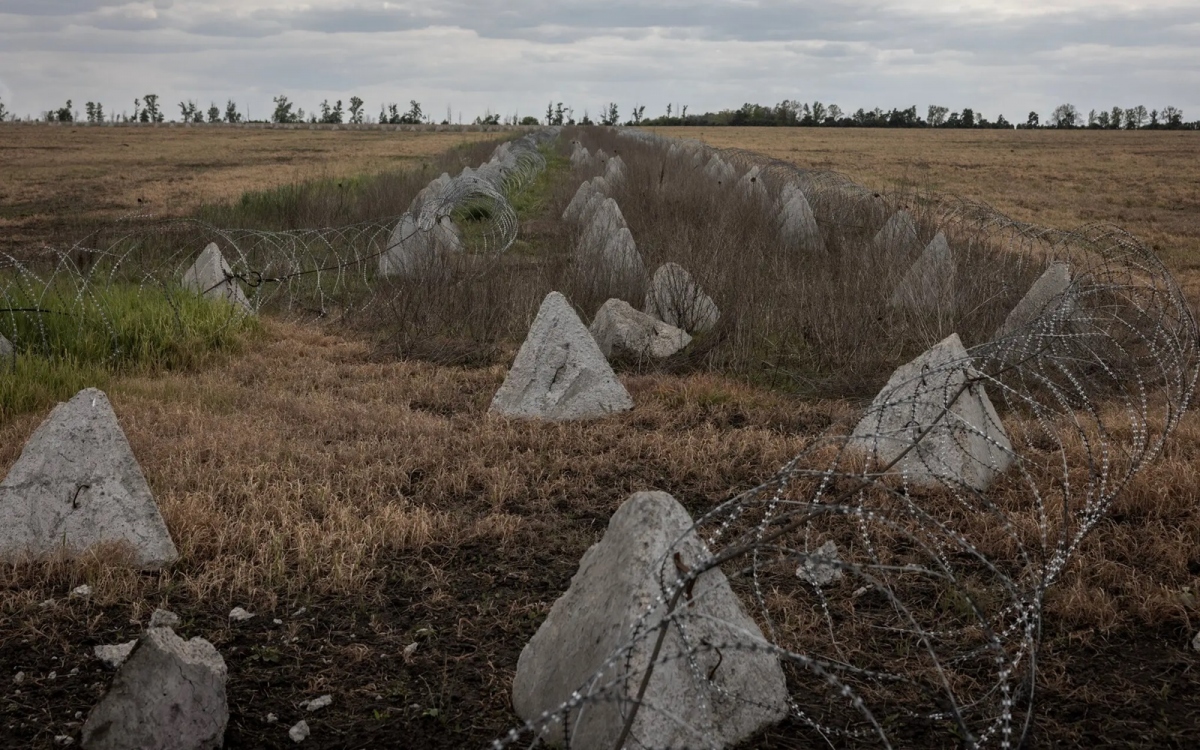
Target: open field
(316,469)
(59,179)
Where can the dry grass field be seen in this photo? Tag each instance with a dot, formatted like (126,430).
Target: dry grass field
(316,470)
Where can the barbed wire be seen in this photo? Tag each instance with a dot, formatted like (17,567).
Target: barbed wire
(898,571)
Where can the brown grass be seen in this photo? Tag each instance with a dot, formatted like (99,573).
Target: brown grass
(312,471)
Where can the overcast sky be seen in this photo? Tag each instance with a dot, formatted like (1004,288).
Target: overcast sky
(996,56)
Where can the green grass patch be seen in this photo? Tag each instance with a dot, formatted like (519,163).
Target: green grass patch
(64,341)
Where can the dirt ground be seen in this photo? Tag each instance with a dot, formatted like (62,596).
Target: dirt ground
(358,505)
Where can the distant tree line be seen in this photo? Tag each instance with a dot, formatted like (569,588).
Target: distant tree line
(788,113)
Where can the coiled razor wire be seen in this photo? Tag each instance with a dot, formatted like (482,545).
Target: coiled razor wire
(903,601)
(335,271)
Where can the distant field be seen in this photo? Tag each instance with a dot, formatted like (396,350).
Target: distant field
(1145,182)
(54,178)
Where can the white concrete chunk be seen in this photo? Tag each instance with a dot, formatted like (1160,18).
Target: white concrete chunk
(797,223)
(169,693)
(967,446)
(6,348)
(725,699)
(114,655)
(823,567)
(559,373)
(606,220)
(587,199)
(928,285)
(580,156)
(620,257)
(614,171)
(676,299)
(1049,296)
(77,484)
(618,327)
(211,277)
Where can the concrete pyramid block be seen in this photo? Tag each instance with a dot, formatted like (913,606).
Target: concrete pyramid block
(967,446)
(928,285)
(169,693)
(587,199)
(560,373)
(606,220)
(752,187)
(431,195)
(676,299)
(797,223)
(620,257)
(77,484)
(1049,297)
(718,169)
(614,171)
(715,701)
(601,157)
(211,277)
(580,156)
(418,243)
(898,234)
(618,327)
(6,348)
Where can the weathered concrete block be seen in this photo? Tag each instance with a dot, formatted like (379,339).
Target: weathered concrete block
(928,285)
(560,373)
(899,233)
(606,220)
(580,156)
(169,693)
(676,299)
(752,187)
(797,223)
(1049,296)
(6,348)
(614,171)
(587,199)
(418,244)
(618,327)
(211,277)
(719,170)
(77,484)
(620,258)
(964,441)
(725,698)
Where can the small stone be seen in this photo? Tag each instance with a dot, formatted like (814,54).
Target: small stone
(409,650)
(47,604)
(1196,642)
(237,614)
(18,678)
(52,676)
(277,621)
(299,733)
(272,718)
(79,715)
(114,655)
(317,703)
(164,619)
(300,611)
(81,592)
(823,567)
(64,740)
(74,671)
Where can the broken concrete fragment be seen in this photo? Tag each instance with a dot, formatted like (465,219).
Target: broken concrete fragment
(823,567)
(1049,298)
(317,704)
(676,299)
(115,655)
(898,234)
(936,396)
(797,223)
(616,601)
(928,285)
(559,373)
(299,732)
(76,485)
(164,619)
(238,614)
(212,278)
(618,327)
(168,693)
